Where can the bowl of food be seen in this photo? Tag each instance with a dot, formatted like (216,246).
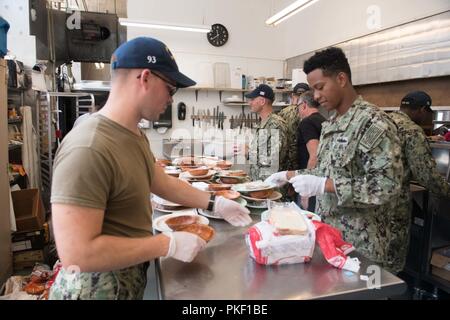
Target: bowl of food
(175,222)
(198,171)
(228,194)
(218,187)
(261,194)
(224,165)
(235,173)
(230,180)
(202,230)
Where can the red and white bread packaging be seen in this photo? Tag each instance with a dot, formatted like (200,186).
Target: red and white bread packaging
(268,247)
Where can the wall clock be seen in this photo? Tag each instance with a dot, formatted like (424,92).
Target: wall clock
(218,35)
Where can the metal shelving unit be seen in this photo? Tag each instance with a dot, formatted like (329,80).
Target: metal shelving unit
(48,126)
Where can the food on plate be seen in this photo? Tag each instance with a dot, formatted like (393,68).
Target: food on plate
(224,164)
(175,222)
(235,173)
(203,231)
(228,194)
(218,187)
(288,221)
(261,194)
(198,171)
(230,180)
(256,185)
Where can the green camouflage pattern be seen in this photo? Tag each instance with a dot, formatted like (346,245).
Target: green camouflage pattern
(361,153)
(124,284)
(419,165)
(418,162)
(292,119)
(267,148)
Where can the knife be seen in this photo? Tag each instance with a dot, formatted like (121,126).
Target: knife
(193,116)
(231,122)
(217,114)
(214,117)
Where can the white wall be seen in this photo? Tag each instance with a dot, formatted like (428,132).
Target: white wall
(252,46)
(20,43)
(329,22)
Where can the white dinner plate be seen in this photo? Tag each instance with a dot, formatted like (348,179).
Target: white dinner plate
(274,196)
(160,222)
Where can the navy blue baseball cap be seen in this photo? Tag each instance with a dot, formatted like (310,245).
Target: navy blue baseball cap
(417,99)
(149,53)
(263,90)
(300,88)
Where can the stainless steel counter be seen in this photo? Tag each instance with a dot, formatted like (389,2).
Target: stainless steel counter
(225,271)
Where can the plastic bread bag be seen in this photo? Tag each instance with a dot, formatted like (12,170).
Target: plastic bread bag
(266,246)
(334,248)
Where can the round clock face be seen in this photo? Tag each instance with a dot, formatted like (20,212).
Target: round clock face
(218,35)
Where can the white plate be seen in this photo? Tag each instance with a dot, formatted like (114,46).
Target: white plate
(209,214)
(274,196)
(160,222)
(175,209)
(242,187)
(262,205)
(163,202)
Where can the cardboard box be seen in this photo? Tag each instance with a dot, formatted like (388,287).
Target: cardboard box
(28,209)
(30,240)
(440,262)
(27,259)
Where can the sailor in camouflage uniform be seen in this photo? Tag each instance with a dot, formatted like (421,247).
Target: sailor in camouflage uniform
(267,148)
(418,161)
(292,118)
(358,176)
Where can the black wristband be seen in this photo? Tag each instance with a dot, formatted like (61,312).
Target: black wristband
(211,202)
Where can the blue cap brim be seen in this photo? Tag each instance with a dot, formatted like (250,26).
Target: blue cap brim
(180,79)
(251,95)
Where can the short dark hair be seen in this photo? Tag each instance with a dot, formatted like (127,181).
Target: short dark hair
(308,97)
(331,61)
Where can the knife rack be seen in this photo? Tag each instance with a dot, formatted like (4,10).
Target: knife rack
(202,118)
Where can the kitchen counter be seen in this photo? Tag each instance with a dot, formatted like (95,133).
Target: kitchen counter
(224,270)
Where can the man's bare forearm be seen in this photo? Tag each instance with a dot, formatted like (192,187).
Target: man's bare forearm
(106,253)
(182,193)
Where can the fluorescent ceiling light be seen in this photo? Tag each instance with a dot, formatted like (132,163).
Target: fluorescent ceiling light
(163,25)
(289,11)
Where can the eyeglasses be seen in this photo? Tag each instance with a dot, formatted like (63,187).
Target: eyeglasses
(170,87)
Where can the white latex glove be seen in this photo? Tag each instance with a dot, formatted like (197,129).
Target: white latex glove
(308,186)
(278,178)
(232,212)
(184,246)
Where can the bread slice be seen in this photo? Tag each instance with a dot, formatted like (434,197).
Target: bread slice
(288,221)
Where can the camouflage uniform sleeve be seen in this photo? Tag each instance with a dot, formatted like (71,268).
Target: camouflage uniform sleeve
(422,164)
(378,169)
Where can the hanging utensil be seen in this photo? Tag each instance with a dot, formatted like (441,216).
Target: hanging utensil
(193,116)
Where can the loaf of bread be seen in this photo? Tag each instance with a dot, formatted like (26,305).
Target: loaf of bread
(288,221)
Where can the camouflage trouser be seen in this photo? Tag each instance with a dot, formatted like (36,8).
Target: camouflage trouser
(124,284)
